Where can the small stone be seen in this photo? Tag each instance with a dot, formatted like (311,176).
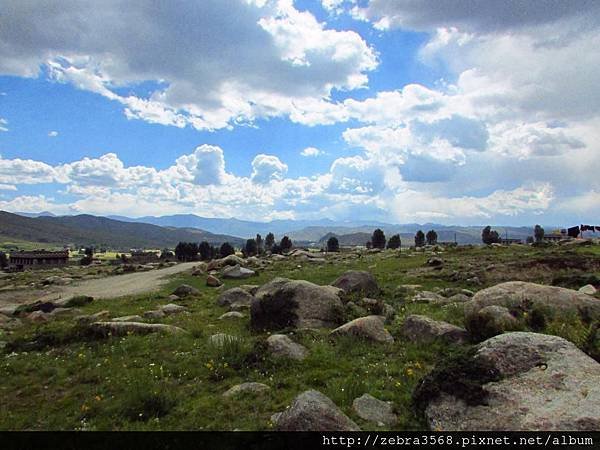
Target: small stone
(213,281)
(185,290)
(369,408)
(245,388)
(283,347)
(232,315)
(172,309)
(588,289)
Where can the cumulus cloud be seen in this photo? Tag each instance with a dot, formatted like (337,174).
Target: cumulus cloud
(3,123)
(53,134)
(311,151)
(213,72)
(266,168)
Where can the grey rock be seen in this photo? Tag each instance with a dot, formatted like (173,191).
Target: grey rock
(356,281)
(234,295)
(588,289)
(370,328)
(237,272)
(423,329)
(546,383)
(212,281)
(157,314)
(246,388)
(185,290)
(374,410)
(171,308)
(284,303)
(221,339)
(282,346)
(313,411)
(232,315)
(126,328)
(133,318)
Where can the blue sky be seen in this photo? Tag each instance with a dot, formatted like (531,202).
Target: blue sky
(263,109)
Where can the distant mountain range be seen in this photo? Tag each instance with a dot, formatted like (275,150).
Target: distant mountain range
(152,231)
(84,230)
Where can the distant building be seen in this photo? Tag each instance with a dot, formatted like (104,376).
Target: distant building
(37,259)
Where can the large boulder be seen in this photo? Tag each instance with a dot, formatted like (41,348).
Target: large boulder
(423,329)
(284,303)
(370,328)
(126,328)
(231,260)
(237,272)
(313,411)
(357,281)
(234,295)
(281,346)
(516,381)
(532,305)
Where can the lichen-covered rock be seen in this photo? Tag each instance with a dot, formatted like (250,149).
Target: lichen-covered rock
(516,381)
(370,328)
(374,410)
(423,329)
(235,295)
(357,281)
(284,303)
(281,346)
(313,411)
(171,308)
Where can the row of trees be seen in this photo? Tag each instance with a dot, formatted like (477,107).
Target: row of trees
(489,236)
(191,251)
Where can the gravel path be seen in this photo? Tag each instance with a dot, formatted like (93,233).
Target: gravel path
(119,285)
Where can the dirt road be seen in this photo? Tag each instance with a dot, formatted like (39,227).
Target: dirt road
(118,285)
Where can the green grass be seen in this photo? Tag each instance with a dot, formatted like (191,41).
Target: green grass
(175,382)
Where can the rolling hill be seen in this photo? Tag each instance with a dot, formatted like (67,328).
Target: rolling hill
(84,230)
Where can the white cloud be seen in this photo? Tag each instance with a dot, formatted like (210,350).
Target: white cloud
(210,71)
(3,123)
(266,168)
(311,152)
(53,134)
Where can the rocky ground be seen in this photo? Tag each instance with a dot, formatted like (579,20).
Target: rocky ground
(435,338)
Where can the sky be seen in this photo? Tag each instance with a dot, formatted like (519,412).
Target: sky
(447,111)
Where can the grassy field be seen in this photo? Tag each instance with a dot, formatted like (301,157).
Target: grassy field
(158,382)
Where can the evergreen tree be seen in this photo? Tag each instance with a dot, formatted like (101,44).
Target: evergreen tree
(226,250)
(378,239)
(285,244)
(251,247)
(431,237)
(538,232)
(419,239)
(205,251)
(394,242)
(333,244)
(269,242)
(489,236)
(259,244)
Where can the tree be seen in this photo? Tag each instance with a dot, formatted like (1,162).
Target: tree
(419,239)
(333,245)
(369,245)
(269,242)
(489,236)
(205,251)
(431,237)
(285,244)
(538,232)
(186,251)
(89,251)
(529,240)
(276,249)
(378,239)
(3,260)
(259,244)
(89,256)
(394,242)
(226,250)
(251,247)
